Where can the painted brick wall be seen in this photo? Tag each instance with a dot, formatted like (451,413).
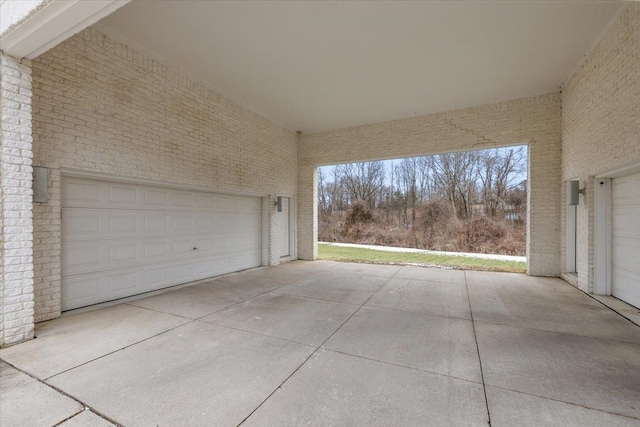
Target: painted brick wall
(601,123)
(535,121)
(16,228)
(101,106)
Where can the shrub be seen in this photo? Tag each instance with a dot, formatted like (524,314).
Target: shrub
(358,213)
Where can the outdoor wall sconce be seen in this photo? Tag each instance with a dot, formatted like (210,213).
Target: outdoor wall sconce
(40,184)
(574,193)
(279,203)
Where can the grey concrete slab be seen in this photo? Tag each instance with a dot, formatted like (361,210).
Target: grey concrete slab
(197,300)
(434,344)
(334,389)
(431,274)
(69,341)
(198,374)
(304,320)
(518,281)
(366,269)
(626,310)
(339,287)
(508,409)
(550,311)
(442,299)
(308,267)
(87,419)
(24,401)
(596,373)
(263,279)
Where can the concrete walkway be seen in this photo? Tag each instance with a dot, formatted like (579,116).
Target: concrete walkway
(424,251)
(324,343)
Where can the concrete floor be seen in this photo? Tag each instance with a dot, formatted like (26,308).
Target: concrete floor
(322,343)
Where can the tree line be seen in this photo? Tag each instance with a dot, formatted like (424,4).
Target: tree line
(464,201)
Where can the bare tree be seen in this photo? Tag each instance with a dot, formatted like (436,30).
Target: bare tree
(363,181)
(407,173)
(429,202)
(500,171)
(455,174)
(323,196)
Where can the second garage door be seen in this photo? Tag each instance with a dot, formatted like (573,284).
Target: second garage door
(121,239)
(626,239)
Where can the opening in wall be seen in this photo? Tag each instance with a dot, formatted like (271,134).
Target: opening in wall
(468,201)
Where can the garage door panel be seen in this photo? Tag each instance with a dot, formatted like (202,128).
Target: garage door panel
(157,249)
(204,201)
(205,223)
(122,239)
(253,223)
(239,241)
(155,275)
(183,271)
(81,223)
(182,223)
(87,289)
(631,292)
(155,197)
(626,253)
(122,252)
(225,265)
(81,289)
(182,199)
(204,266)
(625,221)
(184,246)
(120,224)
(94,256)
(120,283)
(626,239)
(122,196)
(626,190)
(226,203)
(82,257)
(252,204)
(81,193)
(205,245)
(154,223)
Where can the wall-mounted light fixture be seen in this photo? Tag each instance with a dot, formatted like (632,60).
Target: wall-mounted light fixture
(574,191)
(279,203)
(40,184)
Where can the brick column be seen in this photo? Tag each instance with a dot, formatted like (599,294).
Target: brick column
(307,211)
(16,202)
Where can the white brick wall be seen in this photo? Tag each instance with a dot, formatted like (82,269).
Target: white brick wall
(535,121)
(16,260)
(101,106)
(601,123)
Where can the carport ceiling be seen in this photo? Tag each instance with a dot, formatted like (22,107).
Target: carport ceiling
(318,65)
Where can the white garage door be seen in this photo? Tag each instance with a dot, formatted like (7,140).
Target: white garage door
(626,239)
(123,239)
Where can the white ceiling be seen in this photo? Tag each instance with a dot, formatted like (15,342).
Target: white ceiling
(319,65)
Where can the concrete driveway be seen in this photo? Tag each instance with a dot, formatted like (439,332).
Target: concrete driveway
(322,343)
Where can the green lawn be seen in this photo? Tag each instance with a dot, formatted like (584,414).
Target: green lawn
(339,253)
